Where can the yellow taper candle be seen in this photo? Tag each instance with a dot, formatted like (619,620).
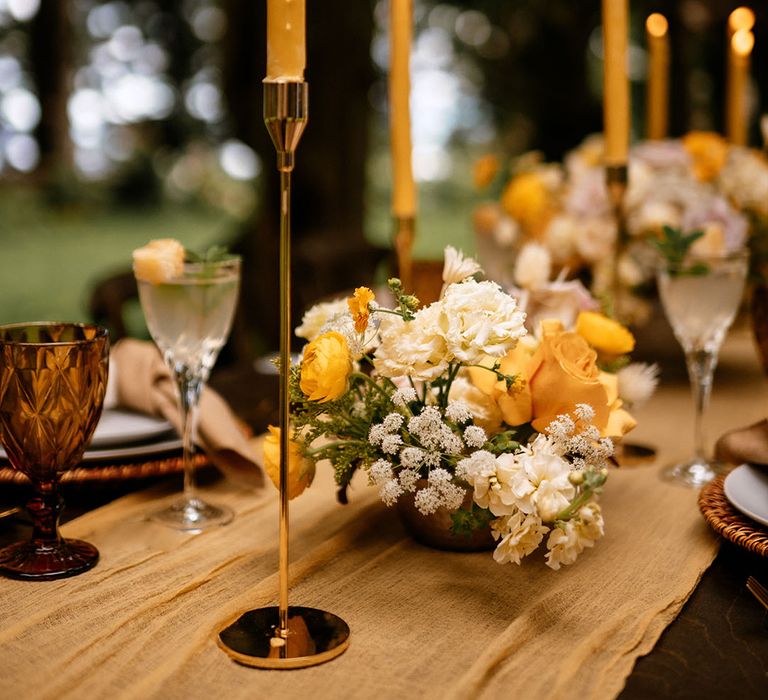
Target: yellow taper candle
(286,43)
(737,97)
(401,31)
(657,94)
(615,81)
(740,18)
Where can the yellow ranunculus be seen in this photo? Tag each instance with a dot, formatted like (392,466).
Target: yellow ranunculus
(604,334)
(564,373)
(513,403)
(358,307)
(527,200)
(326,367)
(485,170)
(708,151)
(301,471)
(159,261)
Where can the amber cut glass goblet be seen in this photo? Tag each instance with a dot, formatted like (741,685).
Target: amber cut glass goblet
(52,382)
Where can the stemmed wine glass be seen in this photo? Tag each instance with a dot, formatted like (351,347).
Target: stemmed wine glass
(701,297)
(52,382)
(189,318)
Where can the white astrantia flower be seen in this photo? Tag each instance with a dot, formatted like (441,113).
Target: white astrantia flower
(518,534)
(415,349)
(570,538)
(316,317)
(533,266)
(457,267)
(477,319)
(637,382)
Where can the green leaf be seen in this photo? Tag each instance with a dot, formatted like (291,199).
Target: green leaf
(467,520)
(674,246)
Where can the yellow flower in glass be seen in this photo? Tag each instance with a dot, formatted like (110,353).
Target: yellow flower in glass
(526,200)
(604,334)
(485,170)
(301,471)
(358,307)
(326,367)
(708,151)
(161,260)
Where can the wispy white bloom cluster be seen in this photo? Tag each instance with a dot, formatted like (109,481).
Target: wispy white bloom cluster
(320,314)
(344,324)
(458,412)
(430,430)
(637,382)
(586,449)
(474,436)
(402,397)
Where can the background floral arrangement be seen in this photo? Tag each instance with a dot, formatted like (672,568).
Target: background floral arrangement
(454,398)
(552,219)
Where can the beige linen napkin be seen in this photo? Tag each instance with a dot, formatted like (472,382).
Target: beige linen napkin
(140,381)
(748,444)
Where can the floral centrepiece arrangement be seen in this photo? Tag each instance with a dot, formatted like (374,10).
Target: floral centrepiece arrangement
(435,402)
(545,219)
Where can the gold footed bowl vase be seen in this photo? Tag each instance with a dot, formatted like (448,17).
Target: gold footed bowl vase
(434,530)
(52,382)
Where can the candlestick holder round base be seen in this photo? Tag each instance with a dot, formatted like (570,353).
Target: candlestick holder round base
(314,637)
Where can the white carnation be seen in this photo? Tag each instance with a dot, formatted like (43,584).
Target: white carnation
(478,318)
(320,314)
(457,268)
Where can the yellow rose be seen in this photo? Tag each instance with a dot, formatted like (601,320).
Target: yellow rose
(604,334)
(301,471)
(358,307)
(326,367)
(526,200)
(620,422)
(708,151)
(485,170)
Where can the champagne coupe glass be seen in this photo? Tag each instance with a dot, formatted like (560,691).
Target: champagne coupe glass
(52,382)
(189,318)
(701,298)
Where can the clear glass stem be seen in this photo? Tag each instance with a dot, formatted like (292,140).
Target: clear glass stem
(701,367)
(190,385)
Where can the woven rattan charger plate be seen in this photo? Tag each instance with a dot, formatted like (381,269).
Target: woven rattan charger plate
(169,463)
(730,523)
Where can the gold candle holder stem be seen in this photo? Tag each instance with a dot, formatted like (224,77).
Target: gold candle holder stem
(616,180)
(285,637)
(405,233)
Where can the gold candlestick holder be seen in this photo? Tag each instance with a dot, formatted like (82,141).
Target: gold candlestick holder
(283,636)
(405,233)
(616,179)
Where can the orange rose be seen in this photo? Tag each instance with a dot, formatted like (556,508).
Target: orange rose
(563,373)
(708,152)
(513,403)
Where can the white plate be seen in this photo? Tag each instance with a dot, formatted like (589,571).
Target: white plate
(130,451)
(121,428)
(746,487)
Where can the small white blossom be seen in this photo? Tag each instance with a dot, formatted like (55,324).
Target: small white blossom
(518,534)
(402,397)
(584,412)
(390,491)
(376,434)
(427,500)
(432,459)
(478,465)
(453,496)
(533,266)
(438,477)
(474,436)
(379,472)
(390,443)
(316,317)
(393,422)
(458,412)
(408,479)
(412,457)
(457,268)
